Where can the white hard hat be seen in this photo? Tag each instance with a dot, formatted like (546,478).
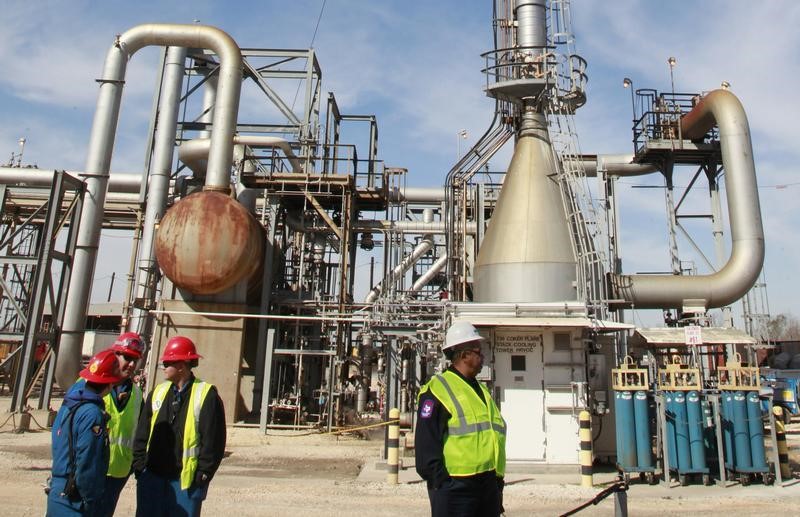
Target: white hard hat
(459,333)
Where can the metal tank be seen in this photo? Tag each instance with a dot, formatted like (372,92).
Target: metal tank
(527,255)
(207,242)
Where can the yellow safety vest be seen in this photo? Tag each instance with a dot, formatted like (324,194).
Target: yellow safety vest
(476,431)
(121,429)
(191,442)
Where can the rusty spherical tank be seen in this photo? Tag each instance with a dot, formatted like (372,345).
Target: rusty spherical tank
(207,242)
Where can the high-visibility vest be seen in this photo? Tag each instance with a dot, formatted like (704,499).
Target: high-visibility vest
(476,431)
(121,429)
(191,442)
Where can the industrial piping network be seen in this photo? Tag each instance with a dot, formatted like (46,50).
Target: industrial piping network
(642,291)
(101,145)
(744,265)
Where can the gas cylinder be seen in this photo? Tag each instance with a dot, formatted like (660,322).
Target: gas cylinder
(669,411)
(626,434)
(682,432)
(741,432)
(641,412)
(694,413)
(756,431)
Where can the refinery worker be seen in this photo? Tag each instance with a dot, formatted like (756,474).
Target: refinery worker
(180,439)
(80,443)
(123,405)
(460,435)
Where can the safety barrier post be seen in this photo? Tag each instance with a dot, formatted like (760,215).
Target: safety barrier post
(585,455)
(392,447)
(783,449)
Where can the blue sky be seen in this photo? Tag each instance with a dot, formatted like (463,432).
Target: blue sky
(416,65)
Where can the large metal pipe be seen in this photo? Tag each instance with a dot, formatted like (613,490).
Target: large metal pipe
(421,249)
(615,165)
(428,275)
(741,271)
(101,146)
(531,18)
(194,153)
(120,182)
(159,177)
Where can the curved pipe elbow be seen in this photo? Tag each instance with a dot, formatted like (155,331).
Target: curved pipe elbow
(741,271)
(228,91)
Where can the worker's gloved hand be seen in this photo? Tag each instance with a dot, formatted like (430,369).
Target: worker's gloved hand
(201,479)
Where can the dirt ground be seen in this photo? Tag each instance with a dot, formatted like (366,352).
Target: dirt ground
(324,475)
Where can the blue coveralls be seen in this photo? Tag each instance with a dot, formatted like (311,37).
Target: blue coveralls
(90,445)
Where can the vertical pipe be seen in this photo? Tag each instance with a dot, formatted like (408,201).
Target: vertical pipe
(531,18)
(101,146)
(158,179)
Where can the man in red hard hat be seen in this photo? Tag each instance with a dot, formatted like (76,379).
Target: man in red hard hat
(80,443)
(180,439)
(123,405)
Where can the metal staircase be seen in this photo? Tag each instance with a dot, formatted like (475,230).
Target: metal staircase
(588,230)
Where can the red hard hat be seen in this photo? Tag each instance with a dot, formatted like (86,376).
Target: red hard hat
(103,368)
(129,343)
(179,348)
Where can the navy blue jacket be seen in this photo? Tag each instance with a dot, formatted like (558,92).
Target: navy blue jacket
(89,441)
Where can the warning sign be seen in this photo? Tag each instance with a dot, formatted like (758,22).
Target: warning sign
(517,341)
(693,335)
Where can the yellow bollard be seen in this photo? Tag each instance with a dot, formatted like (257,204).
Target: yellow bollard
(392,447)
(783,449)
(585,455)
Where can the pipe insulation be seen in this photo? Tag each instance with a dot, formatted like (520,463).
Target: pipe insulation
(420,249)
(740,272)
(158,180)
(101,146)
(194,153)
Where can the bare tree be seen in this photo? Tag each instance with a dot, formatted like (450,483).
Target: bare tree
(784,327)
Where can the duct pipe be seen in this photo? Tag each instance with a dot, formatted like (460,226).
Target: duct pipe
(426,277)
(615,165)
(417,195)
(158,180)
(741,271)
(101,146)
(421,249)
(120,182)
(209,100)
(195,152)
(399,270)
(531,23)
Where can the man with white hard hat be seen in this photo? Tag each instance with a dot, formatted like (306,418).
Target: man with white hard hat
(460,435)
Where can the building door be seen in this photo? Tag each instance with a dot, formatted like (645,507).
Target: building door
(519,378)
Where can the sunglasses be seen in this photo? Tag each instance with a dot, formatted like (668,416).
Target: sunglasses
(167,364)
(128,358)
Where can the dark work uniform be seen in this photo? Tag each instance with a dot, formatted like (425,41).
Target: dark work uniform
(164,460)
(474,496)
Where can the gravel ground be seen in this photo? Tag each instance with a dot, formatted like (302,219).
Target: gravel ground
(319,475)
